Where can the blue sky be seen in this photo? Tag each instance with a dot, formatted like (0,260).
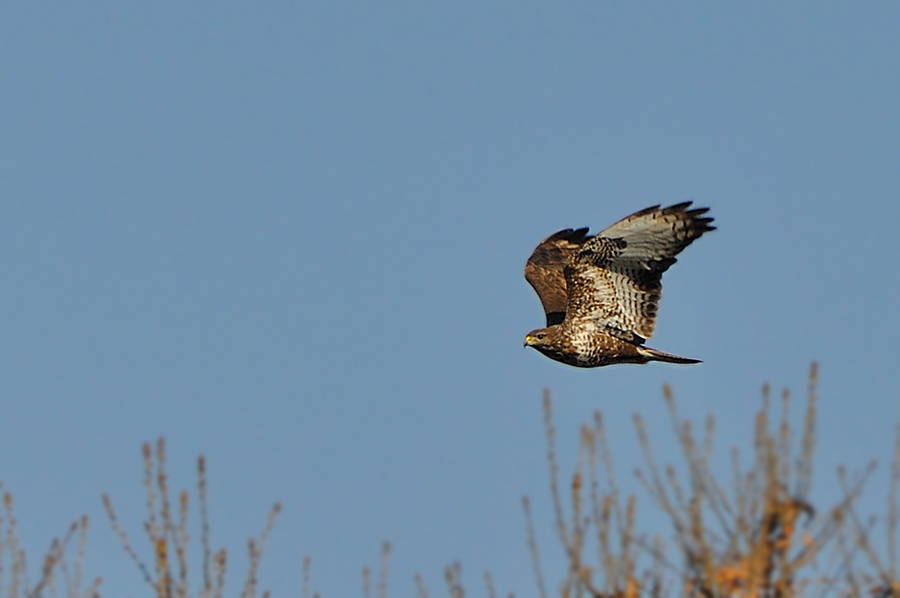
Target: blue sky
(290,237)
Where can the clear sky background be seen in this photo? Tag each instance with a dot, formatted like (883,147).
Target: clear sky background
(290,237)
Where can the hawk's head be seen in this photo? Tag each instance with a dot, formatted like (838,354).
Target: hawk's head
(545,340)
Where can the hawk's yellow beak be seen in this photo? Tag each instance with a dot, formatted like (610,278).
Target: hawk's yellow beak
(527,341)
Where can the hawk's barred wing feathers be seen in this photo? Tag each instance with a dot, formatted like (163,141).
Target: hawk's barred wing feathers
(614,278)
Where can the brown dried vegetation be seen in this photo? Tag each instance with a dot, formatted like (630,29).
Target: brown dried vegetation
(761,536)
(168,536)
(758,536)
(57,574)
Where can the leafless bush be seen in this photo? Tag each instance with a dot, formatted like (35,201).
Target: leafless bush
(57,575)
(168,535)
(758,536)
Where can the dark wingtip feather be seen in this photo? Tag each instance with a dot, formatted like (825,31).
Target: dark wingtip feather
(681,207)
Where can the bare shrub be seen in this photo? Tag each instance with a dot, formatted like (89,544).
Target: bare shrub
(168,536)
(758,536)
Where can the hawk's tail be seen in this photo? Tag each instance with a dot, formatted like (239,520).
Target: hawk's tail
(655,355)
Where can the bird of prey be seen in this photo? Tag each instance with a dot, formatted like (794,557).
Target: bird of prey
(600,293)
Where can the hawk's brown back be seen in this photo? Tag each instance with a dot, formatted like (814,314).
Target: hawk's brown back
(545,270)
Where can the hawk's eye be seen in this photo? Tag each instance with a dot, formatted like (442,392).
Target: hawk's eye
(541,335)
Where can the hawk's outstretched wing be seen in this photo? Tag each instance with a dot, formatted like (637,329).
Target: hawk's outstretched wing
(614,277)
(545,270)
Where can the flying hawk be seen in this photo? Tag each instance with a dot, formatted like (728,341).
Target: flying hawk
(601,292)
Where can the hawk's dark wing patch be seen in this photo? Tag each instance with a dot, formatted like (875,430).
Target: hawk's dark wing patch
(545,270)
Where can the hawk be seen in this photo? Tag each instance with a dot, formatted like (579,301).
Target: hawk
(601,293)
